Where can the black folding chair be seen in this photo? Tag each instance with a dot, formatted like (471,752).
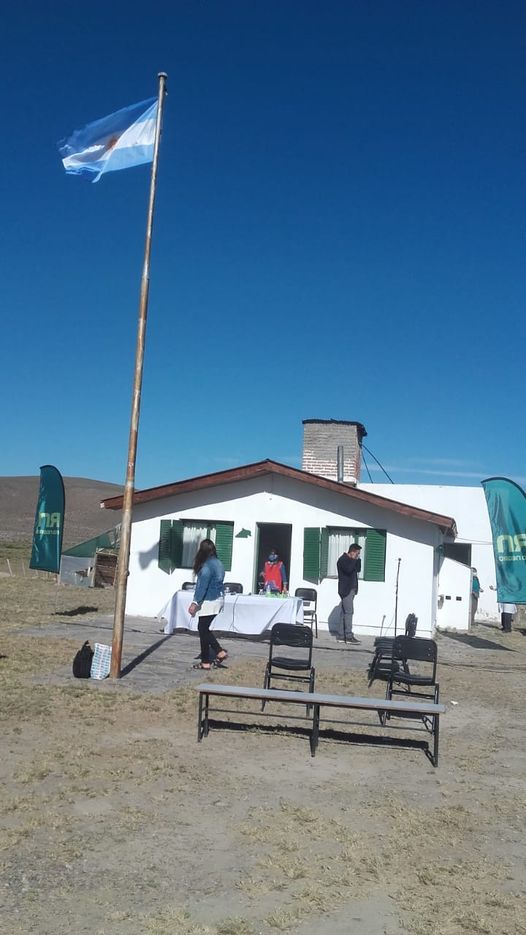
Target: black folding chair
(233,587)
(188,586)
(309,597)
(381,663)
(420,682)
(299,638)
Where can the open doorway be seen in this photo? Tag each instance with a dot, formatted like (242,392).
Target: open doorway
(459,551)
(272,536)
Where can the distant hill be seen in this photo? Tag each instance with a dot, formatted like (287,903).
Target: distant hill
(84,517)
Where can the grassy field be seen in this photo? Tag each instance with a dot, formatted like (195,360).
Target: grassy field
(16,552)
(113,819)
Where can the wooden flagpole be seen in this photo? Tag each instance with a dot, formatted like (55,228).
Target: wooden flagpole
(129,487)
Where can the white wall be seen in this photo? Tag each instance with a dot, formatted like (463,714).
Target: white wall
(467,506)
(274,499)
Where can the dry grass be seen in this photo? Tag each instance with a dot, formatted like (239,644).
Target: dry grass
(114,821)
(37,602)
(322,863)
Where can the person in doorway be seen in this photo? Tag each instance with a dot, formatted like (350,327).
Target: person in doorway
(349,566)
(274,576)
(476,591)
(208,601)
(507,613)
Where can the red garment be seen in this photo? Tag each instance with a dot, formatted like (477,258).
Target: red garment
(274,574)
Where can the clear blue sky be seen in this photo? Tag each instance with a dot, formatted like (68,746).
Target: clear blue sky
(340,233)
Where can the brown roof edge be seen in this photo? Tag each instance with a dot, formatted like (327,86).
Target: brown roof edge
(194,483)
(445,523)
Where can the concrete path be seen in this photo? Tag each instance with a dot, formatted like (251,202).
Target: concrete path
(153,662)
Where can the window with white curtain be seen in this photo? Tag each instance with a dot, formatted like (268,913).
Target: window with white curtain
(193,535)
(339,540)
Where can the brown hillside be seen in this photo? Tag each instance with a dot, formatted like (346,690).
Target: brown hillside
(84,517)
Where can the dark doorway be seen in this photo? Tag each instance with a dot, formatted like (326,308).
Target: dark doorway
(459,551)
(272,536)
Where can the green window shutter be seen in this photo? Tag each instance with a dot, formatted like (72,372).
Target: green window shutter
(165,547)
(311,554)
(223,542)
(374,565)
(177,542)
(324,552)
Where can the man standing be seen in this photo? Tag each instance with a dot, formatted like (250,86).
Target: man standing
(507,613)
(349,565)
(476,591)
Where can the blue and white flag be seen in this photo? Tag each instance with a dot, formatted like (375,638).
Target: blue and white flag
(118,141)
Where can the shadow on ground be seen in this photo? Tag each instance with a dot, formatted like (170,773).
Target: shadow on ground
(476,642)
(76,611)
(326,733)
(144,655)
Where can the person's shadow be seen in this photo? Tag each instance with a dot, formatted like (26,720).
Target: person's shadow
(334,621)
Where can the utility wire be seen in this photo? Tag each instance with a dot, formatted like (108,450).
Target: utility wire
(378,463)
(367,467)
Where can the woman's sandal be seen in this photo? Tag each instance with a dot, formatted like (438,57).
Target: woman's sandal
(219,660)
(201,665)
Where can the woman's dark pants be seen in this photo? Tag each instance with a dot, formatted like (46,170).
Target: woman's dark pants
(208,640)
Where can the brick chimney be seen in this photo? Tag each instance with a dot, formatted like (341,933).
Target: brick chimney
(321,440)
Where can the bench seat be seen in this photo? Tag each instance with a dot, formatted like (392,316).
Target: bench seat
(314,701)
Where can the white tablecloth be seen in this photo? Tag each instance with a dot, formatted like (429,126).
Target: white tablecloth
(242,613)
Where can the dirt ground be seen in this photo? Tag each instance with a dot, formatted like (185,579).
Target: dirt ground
(114,821)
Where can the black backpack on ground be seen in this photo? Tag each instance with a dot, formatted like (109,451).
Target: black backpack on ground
(82,662)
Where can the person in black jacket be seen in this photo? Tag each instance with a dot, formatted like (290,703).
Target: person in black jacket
(349,565)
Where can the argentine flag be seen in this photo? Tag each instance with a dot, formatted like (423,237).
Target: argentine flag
(119,141)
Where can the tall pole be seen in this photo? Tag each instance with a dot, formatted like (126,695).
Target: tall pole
(129,487)
(396,596)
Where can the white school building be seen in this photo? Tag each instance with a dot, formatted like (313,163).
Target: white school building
(418,542)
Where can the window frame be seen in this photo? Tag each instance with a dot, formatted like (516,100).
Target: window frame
(171,535)
(352,534)
(316,552)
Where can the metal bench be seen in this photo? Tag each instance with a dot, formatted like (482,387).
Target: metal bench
(428,712)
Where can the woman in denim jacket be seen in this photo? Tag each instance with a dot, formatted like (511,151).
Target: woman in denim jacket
(208,600)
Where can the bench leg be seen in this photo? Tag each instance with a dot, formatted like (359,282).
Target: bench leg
(266,684)
(205,722)
(315,729)
(200,718)
(435,739)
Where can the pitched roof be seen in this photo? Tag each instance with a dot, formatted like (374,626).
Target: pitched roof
(260,468)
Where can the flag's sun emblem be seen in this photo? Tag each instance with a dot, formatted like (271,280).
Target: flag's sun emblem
(111,143)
